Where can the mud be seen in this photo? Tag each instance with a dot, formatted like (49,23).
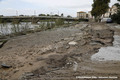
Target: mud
(59,54)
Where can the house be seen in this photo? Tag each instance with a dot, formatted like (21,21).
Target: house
(110,12)
(82,15)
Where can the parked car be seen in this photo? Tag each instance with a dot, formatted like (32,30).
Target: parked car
(109,21)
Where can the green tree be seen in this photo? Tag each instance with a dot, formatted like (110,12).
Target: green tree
(116,17)
(62,15)
(99,7)
(42,15)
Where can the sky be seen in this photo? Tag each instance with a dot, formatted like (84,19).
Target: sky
(35,7)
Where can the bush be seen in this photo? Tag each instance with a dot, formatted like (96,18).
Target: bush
(116,17)
(59,22)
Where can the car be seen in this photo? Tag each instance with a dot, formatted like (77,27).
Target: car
(104,19)
(109,21)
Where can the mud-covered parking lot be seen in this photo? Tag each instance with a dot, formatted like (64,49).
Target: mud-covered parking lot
(60,54)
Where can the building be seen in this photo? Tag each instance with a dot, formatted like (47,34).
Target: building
(82,15)
(90,15)
(110,12)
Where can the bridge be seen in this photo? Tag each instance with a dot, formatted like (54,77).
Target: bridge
(34,19)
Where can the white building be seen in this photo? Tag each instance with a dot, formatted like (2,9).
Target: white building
(90,15)
(110,12)
(82,15)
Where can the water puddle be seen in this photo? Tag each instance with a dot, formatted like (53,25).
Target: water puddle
(111,53)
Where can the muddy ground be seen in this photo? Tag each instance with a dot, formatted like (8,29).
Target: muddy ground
(59,54)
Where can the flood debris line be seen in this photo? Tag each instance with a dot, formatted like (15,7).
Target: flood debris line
(64,57)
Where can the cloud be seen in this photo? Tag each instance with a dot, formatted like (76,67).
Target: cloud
(68,7)
(59,3)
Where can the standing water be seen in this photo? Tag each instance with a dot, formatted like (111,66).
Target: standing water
(8,28)
(109,53)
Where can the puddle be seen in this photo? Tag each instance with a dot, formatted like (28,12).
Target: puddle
(111,53)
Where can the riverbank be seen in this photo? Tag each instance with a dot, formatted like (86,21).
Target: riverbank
(61,53)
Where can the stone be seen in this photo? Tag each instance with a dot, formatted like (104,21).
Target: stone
(16,70)
(29,74)
(96,43)
(67,47)
(30,63)
(61,50)
(83,42)
(40,59)
(6,66)
(56,60)
(103,33)
(41,71)
(73,43)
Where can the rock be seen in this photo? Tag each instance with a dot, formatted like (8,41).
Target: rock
(29,74)
(96,43)
(40,59)
(67,47)
(61,50)
(16,70)
(56,60)
(103,41)
(30,63)
(72,43)
(102,33)
(41,71)
(75,66)
(102,36)
(79,34)
(66,39)
(82,42)
(6,66)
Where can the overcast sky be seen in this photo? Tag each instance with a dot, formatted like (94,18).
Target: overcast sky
(31,7)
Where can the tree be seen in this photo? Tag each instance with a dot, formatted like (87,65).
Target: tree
(42,15)
(48,14)
(116,17)
(69,16)
(99,7)
(56,15)
(62,15)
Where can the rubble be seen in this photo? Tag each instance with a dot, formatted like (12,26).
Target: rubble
(73,43)
(6,66)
